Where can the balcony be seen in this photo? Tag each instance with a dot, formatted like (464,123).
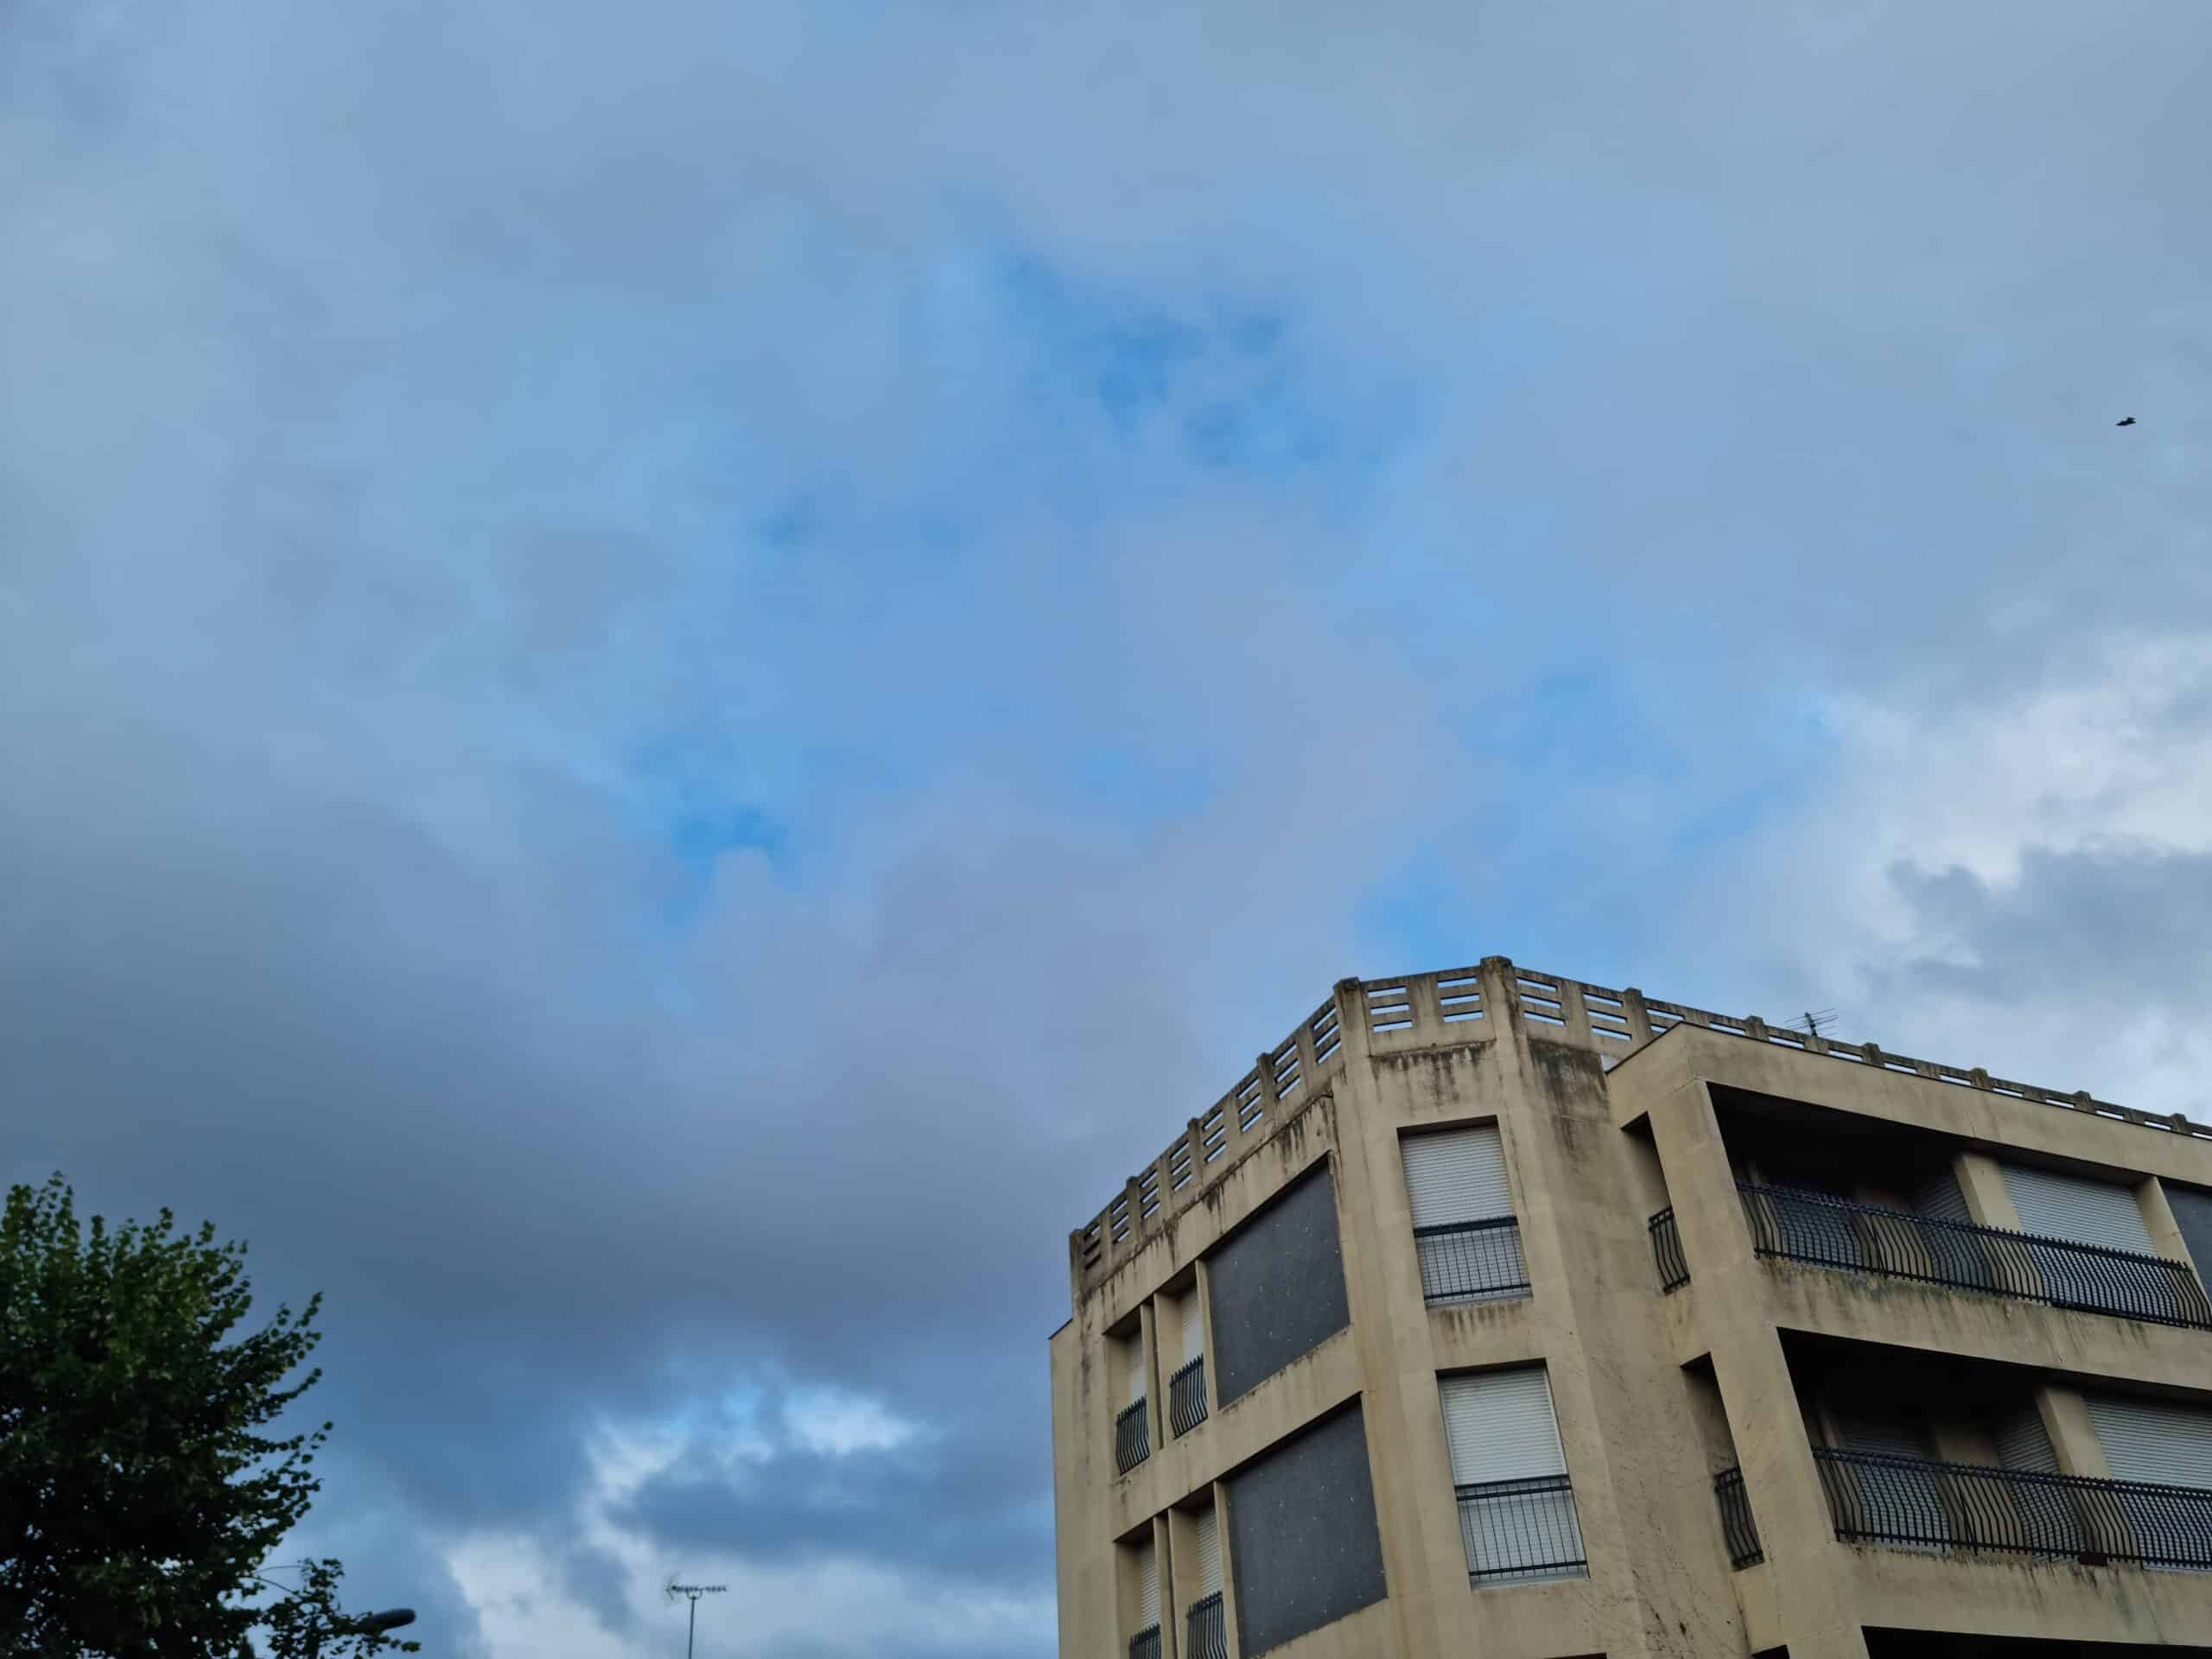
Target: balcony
(1208,1629)
(1144,1644)
(1187,1397)
(1919,1503)
(1736,1524)
(1792,1225)
(1472,1261)
(1132,1438)
(1517,1531)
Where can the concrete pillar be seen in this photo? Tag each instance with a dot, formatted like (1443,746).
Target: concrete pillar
(1228,1570)
(1989,1201)
(2158,1218)
(1407,1458)
(1781,1480)
(1163,1542)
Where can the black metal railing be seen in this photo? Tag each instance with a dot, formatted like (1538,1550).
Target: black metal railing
(1208,1629)
(1832,1232)
(1187,1397)
(1132,1438)
(1736,1523)
(1144,1644)
(1472,1261)
(1919,1503)
(1517,1529)
(1667,1250)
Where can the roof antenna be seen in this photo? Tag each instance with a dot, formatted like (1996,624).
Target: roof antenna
(671,1589)
(1811,1024)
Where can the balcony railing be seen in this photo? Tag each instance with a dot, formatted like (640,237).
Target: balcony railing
(1918,1503)
(1186,1396)
(1516,1530)
(1132,1438)
(1472,1261)
(1667,1250)
(1208,1629)
(1832,1232)
(1736,1523)
(1144,1644)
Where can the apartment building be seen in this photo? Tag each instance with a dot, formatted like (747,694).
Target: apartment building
(1494,1313)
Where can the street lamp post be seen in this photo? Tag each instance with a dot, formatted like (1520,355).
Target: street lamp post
(366,1624)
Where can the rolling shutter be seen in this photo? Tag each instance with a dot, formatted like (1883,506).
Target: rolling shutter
(2081,1212)
(2146,1440)
(1884,1437)
(1147,1585)
(1456,1175)
(2023,1443)
(1939,1197)
(1499,1426)
(1209,1542)
(1954,1257)
(1904,1505)
(1194,1325)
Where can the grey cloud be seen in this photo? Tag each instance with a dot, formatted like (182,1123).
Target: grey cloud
(403,397)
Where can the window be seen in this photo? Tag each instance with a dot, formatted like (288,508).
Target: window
(1144,1644)
(1465,1230)
(1207,1625)
(1132,1425)
(1516,1506)
(1186,1389)
(2160,1444)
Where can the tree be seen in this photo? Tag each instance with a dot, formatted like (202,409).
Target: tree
(139,1494)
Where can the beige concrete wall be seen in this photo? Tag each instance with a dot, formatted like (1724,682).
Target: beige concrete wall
(1591,1156)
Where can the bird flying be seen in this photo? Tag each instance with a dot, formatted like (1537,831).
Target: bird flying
(2130,421)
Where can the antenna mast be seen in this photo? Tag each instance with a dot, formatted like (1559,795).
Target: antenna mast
(672,1590)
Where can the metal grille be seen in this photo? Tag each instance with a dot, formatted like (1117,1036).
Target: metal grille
(1832,1232)
(1187,1397)
(1471,1261)
(1667,1250)
(1144,1644)
(1132,1438)
(1208,1629)
(1736,1523)
(1520,1530)
(1916,1503)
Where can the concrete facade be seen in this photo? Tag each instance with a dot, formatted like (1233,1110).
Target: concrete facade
(1611,1109)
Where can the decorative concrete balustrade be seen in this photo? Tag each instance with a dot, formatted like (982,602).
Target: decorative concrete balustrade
(1464,1005)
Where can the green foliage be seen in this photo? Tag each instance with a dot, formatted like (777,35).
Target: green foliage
(138,1492)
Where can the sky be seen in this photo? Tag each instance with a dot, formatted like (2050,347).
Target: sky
(674,677)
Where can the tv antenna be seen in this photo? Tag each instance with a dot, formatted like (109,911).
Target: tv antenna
(671,1589)
(1811,1024)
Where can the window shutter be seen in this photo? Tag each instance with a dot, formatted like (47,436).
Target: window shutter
(1884,1437)
(1209,1553)
(1456,1175)
(1499,1426)
(2022,1443)
(1147,1585)
(1194,1325)
(2146,1440)
(2081,1212)
(1940,1197)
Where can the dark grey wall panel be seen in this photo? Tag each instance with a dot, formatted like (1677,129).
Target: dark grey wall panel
(2192,1208)
(1303,1545)
(1278,1286)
